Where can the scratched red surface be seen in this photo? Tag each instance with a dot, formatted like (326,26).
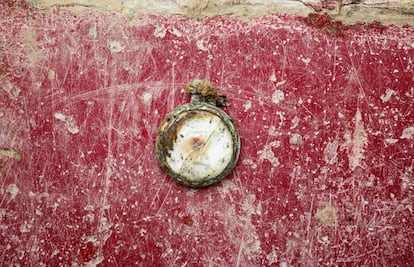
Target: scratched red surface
(325,114)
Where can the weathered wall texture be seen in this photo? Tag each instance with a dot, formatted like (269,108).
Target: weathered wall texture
(325,114)
(349,11)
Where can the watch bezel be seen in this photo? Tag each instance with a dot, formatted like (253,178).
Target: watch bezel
(166,138)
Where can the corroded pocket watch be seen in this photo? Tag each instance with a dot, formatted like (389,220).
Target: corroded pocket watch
(197,144)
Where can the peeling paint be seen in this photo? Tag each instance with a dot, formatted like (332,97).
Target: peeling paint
(327,215)
(10,153)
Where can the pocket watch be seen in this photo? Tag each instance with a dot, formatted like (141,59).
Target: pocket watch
(197,144)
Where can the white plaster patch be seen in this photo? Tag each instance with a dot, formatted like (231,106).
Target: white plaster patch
(115,46)
(278,96)
(387,96)
(408,133)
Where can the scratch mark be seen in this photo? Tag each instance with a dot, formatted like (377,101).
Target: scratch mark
(241,247)
(309,224)
(356,143)
(164,200)
(104,227)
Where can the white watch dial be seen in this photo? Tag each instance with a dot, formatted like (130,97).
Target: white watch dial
(203,147)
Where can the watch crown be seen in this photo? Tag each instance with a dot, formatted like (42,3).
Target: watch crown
(204,91)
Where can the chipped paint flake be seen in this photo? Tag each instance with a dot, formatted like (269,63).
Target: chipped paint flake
(390,140)
(278,96)
(267,154)
(387,96)
(408,133)
(327,215)
(10,153)
(295,141)
(247,105)
(25,227)
(115,46)
(59,116)
(70,122)
(202,45)
(176,32)
(160,32)
(306,60)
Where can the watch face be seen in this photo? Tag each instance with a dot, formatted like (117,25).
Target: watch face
(197,144)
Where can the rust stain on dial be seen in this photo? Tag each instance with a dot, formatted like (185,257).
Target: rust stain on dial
(193,147)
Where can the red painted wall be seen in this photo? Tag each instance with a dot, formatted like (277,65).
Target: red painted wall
(324,111)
